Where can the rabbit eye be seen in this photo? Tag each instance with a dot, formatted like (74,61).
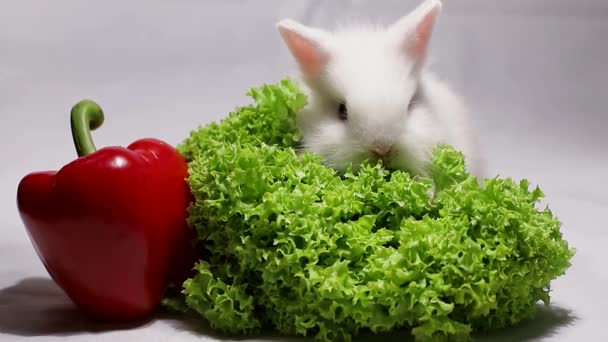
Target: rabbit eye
(342,111)
(414,100)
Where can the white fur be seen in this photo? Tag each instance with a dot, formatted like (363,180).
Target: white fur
(369,71)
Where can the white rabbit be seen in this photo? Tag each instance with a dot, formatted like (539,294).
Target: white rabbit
(371,97)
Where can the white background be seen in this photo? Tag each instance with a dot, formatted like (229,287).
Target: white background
(533,72)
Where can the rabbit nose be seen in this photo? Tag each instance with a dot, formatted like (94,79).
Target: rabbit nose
(382,151)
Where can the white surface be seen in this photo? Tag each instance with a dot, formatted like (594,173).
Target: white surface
(534,73)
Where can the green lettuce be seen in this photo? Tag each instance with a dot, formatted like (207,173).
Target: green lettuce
(293,246)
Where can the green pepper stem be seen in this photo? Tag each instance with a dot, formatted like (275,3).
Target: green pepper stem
(86,116)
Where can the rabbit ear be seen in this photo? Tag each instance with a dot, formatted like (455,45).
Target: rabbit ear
(306,46)
(414,30)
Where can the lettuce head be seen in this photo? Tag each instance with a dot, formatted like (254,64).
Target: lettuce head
(293,246)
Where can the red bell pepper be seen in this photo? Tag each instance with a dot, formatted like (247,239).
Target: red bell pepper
(110,227)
